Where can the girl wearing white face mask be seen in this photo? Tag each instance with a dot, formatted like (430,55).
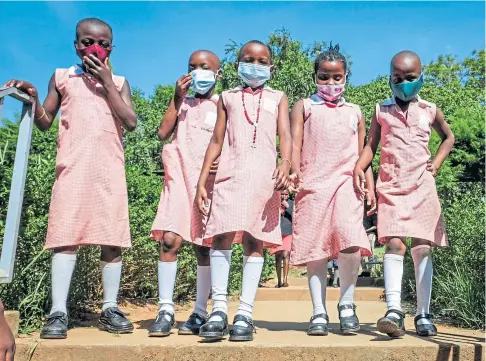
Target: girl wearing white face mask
(246,199)
(192,119)
(328,210)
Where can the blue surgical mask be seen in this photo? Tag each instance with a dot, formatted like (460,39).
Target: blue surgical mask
(254,75)
(202,81)
(406,91)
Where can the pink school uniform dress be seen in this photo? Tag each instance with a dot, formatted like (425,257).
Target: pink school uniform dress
(89,204)
(183,159)
(244,199)
(328,215)
(408,203)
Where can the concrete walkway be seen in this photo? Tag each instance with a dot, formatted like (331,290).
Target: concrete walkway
(281,335)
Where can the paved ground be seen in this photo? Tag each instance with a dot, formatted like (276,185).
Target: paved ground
(281,327)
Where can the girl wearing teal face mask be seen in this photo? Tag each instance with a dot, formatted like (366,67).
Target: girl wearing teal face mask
(192,119)
(407,198)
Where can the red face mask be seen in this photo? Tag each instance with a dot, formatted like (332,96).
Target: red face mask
(98,51)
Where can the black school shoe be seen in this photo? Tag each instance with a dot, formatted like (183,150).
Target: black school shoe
(319,329)
(242,333)
(392,326)
(425,330)
(215,330)
(349,324)
(192,325)
(56,326)
(161,326)
(114,321)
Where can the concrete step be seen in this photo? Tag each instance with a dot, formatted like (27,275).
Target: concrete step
(301,293)
(280,336)
(302,281)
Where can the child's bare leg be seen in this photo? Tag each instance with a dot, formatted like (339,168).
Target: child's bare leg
(63,263)
(392,323)
(286,267)
(348,262)
(278,268)
(422,261)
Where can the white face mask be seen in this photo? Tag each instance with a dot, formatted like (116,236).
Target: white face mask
(202,81)
(254,75)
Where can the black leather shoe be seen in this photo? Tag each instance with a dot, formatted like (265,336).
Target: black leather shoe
(161,326)
(392,326)
(425,330)
(242,333)
(215,330)
(114,321)
(319,329)
(56,326)
(349,324)
(192,325)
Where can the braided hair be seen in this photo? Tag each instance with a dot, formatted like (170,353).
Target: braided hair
(331,54)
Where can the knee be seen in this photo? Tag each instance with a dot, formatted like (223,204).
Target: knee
(223,241)
(110,254)
(286,255)
(171,243)
(396,246)
(202,255)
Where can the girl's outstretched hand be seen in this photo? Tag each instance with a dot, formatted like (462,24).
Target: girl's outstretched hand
(360,180)
(202,200)
(281,176)
(22,85)
(371,202)
(295,181)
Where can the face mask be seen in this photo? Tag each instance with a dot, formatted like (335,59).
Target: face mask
(202,81)
(254,75)
(406,91)
(330,93)
(98,51)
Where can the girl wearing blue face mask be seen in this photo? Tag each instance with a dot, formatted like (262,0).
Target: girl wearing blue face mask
(246,199)
(191,120)
(407,198)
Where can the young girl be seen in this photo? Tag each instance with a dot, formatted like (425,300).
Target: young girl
(282,253)
(192,120)
(328,134)
(407,199)
(89,199)
(246,200)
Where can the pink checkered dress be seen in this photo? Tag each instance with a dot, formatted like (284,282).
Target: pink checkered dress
(408,205)
(328,214)
(89,204)
(244,198)
(183,159)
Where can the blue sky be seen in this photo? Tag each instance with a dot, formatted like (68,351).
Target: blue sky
(154,39)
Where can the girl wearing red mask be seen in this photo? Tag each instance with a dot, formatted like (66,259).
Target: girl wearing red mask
(89,203)
(328,134)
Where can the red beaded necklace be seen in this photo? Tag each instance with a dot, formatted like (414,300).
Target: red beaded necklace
(253,123)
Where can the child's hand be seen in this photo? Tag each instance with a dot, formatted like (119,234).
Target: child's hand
(214,167)
(7,340)
(100,71)
(202,200)
(22,85)
(371,203)
(432,168)
(295,181)
(281,175)
(182,86)
(360,180)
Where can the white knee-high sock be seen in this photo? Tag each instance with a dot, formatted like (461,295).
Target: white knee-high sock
(110,276)
(393,269)
(167,272)
(61,271)
(316,274)
(422,261)
(252,271)
(220,267)
(348,275)
(203,289)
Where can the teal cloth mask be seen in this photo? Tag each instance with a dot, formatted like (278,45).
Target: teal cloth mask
(202,81)
(406,91)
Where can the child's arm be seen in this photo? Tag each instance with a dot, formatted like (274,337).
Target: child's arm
(169,120)
(297,131)
(370,182)
(7,340)
(367,155)
(212,153)
(120,101)
(281,173)
(45,114)
(447,137)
